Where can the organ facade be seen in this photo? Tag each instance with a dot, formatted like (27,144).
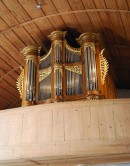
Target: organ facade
(66,73)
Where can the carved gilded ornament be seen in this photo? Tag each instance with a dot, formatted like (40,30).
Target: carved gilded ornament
(30,57)
(19,83)
(44,73)
(104,66)
(58,67)
(72,49)
(58,42)
(75,69)
(46,55)
(91,45)
(57,35)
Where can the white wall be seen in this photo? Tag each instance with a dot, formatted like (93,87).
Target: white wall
(77,129)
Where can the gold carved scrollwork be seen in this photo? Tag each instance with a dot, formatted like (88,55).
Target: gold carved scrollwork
(30,57)
(58,42)
(58,67)
(19,83)
(46,55)
(103,66)
(72,49)
(91,45)
(75,69)
(44,73)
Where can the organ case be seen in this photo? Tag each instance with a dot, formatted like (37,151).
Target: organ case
(66,73)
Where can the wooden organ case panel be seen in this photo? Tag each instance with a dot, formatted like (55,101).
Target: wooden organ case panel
(66,73)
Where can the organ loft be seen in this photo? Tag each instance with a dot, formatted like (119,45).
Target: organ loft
(66,73)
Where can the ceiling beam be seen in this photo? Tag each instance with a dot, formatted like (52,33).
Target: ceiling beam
(65,13)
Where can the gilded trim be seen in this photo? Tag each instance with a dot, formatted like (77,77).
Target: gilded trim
(30,57)
(75,69)
(72,49)
(58,42)
(46,55)
(19,83)
(58,67)
(89,44)
(104,66)
(44,73)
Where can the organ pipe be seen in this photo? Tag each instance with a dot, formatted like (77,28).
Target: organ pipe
(30,81)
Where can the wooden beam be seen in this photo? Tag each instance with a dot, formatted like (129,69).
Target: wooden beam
(64,13)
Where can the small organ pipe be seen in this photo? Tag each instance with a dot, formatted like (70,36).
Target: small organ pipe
(31,81)
(34,76)
(73,83)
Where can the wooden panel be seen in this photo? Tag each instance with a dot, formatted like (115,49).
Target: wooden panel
(94,122)
(29,131)
(49,7)
(100,4)
(35,33)
(86,25)
(96,21)
(76,5)
(78,124)
(57,23)
(7,15)
(111,4)
(45,133)
(4,136)
(3,103)
(58,125)
(88,4)
(62,6)
(113,25)
(30,7)
(25,37)
(8,87)
(9,46)
(15,129)
(47,28)
(7,77)
(102,122)
(118,121)
(70,131)
(125,17)
(86,121)
(6,68)
(126,121)
(8,96)
(71,22)
(19,13)
(122,4)
(107,31)
(117,27)
(110,122)
(15,40)
(3,25)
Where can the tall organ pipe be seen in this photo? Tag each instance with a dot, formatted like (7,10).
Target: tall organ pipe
(31,81)
(29,89)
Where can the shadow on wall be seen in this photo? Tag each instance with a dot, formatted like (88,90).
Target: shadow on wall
(123,93)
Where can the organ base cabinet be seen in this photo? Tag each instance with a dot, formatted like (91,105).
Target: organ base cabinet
(66,73)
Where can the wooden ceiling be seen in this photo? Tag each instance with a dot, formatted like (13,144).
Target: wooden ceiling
(21,24)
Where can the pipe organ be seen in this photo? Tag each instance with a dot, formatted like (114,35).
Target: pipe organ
(66,73)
